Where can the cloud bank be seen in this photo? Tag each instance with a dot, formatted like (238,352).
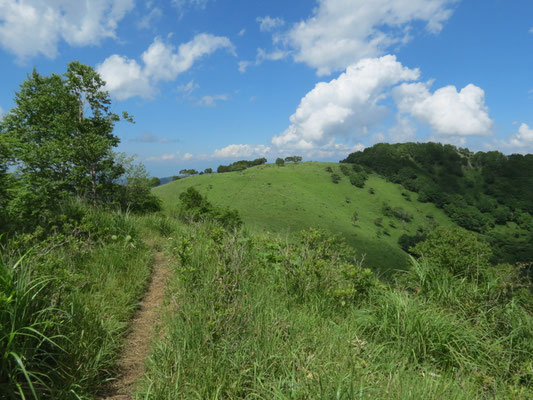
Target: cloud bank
(35,27)
(126,78)
(342,32)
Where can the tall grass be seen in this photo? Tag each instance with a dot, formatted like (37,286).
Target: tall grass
(65,306)
(237,326)
(28,343)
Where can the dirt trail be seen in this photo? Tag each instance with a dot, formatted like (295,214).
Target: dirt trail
(137,343)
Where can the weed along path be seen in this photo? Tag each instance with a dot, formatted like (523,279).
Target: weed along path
(138,341)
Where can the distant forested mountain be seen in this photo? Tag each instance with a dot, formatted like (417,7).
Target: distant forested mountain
(487,192)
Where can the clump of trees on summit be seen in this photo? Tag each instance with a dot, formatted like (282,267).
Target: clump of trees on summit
(241,165)
(294,159)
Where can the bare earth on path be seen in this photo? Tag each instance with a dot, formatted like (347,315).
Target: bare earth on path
(137,342)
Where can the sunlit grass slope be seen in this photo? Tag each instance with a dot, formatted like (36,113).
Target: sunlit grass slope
(287,199)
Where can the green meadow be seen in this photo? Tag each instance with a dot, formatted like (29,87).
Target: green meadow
(287,199)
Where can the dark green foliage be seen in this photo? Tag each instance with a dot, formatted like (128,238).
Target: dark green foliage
(397,212)
(345,169)
(154,181)
(477,191)
(241,165)
(407,242)
(328,169)
(357,179)
(406,195)
(195,207)
(294,159)
(335,178)
(371,190)
(280,162)
(468,216)
(188,172)
(175,178)
(208,171)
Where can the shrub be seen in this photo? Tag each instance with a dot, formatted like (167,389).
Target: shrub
(321,266)
(397,212)
(357,180)
(196,207)
(345,169)
(335,178)
(456,250)
(407,242)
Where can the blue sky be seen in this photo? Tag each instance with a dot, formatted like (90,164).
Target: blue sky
(213,81)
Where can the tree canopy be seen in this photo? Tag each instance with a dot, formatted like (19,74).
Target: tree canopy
(58,140)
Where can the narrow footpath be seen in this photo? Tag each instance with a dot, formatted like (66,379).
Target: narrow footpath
(138,341)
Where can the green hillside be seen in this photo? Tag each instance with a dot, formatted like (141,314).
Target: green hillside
(288,199)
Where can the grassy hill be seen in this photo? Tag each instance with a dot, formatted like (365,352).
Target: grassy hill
(288,199)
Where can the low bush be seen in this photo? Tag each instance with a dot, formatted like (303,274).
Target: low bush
(195,207)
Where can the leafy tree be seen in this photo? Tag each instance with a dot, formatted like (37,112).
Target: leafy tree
(335,178)
(154,181)
(133,193)
(294,159)
(60,134)
(280,162)
(208,171)
(188,172)
(241,165)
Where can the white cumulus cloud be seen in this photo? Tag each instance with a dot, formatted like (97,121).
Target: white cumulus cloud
(163,63)
(241,151)
(32,27)
(521,141)
(342,32)
(347,106)
(446,111)
(126,78)
(267,24)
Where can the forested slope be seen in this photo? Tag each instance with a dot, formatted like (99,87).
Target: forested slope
(489,193)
